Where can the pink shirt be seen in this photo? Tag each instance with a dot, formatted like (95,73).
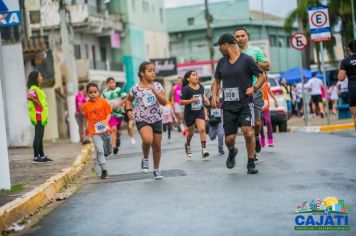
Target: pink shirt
(38,108)
(79,100)
(177,93)
(167,112)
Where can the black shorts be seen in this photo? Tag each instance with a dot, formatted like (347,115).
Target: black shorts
(156,126)
(126,117)
(245,116)
(316,98)
(352,95)
(190,119)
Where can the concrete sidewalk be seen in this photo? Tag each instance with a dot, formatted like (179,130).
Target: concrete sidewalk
(318,124)
(36,184)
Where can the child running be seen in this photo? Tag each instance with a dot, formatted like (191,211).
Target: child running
(167,119)
(97,113)
(148,115)
(116,98)
(216,128)
(192,98)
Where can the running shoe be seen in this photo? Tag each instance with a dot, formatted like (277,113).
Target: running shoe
(221,151)
(270,142)
(157,174)
(188,150)
(46,158)
(170,141)
(255,157)
(38,160)
(115,150)
(104,174)
(204,152)
(251,167)
(145,165)
(263,143)
(230,162)
(258,146)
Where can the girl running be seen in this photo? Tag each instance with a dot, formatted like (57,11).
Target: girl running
(148,115)
(266,115)
(97,114)
(216,128)
(167,119)
(192,98)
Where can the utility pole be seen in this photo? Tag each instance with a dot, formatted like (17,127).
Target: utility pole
(5,182)
(209,19)
(72,80)
(353,19)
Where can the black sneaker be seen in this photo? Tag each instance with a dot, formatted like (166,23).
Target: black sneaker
(115,150)
(230,161)
(221,151)
(188,150)
(251,167)
(258,146)
(39,160)
(46,158)
(104,174)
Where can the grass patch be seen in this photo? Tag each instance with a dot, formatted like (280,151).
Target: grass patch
(14,188)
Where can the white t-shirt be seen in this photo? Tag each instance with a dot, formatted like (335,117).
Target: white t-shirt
(344,85)
(333,92)
(314,85)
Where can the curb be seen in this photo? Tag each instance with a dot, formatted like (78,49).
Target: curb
(323,129)
(30,202)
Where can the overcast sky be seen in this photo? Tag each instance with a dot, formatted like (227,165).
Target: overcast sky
(276,7)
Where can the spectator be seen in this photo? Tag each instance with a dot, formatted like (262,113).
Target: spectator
(79,101)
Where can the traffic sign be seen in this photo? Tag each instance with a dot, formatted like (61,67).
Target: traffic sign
(9,13)
(319,23)
(299,41)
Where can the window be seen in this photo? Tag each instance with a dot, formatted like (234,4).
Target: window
(161,14)
(94,56)
(87,51)
(145,6)
(103,53)
(77,52)
(198,45)
(273,40)
(287,42)
(190,21)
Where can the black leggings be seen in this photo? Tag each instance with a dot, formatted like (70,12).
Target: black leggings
(38,140)
(168,127)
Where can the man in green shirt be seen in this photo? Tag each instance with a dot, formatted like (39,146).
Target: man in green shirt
(115,96)
(256,53)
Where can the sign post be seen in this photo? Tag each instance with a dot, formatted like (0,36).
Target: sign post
(9,16)
(319,32)
(299,42)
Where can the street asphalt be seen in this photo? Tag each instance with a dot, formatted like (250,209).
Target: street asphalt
(203,197)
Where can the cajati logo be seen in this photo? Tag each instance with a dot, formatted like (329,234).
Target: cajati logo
(327,214)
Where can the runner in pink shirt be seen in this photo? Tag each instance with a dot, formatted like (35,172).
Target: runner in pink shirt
(79,101)
(178,109)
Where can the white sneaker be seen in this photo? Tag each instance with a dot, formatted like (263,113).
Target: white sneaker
(204,152)
(157,174)
(133,141)
(145,165)
(188,151)
(170,141)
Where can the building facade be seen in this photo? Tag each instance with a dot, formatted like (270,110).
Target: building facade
(188,35)
(144,34)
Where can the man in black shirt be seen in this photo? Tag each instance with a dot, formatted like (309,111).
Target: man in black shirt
(348,68)
(236,71)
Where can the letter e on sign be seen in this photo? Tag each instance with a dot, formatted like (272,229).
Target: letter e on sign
(299,41)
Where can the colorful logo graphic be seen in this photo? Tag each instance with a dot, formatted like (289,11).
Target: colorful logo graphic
(328,214)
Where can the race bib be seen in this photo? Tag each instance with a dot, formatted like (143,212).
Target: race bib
(149,99)
(197,105)
(231,94)
(100,127)
(215,112)
(166,111)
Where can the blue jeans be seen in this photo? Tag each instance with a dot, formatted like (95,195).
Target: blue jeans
(217,130)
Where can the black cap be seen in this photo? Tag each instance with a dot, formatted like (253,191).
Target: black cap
(225,38)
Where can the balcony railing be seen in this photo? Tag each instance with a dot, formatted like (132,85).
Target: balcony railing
(106,65)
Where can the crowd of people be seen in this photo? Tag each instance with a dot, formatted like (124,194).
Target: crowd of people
(239,99)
